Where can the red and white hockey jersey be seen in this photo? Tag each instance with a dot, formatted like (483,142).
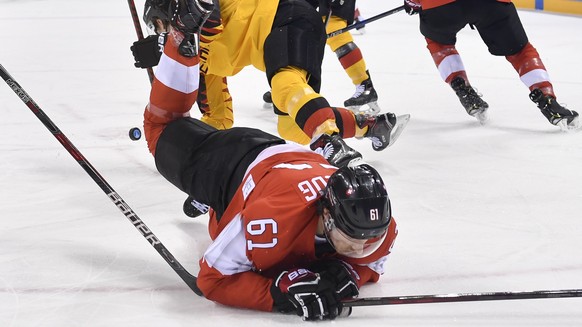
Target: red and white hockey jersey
(270,226)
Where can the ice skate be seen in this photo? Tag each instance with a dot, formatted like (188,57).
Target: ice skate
(555,113)
(193,208)
(471,100)
(364,100)
(384,129)
(335,150)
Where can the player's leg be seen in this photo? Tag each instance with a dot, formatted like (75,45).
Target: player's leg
(501,29)
(293,56)
(351,58)
(440,26)
(215,101)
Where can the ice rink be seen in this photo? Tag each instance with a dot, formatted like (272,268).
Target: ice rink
(480,208)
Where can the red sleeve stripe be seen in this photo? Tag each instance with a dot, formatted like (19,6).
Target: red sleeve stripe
(170,100)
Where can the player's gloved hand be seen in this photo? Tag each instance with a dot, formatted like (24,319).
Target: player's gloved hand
(412,7)
(341,274)
(147,52)
(306,293)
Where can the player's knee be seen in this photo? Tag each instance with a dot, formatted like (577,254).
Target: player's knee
(289,85)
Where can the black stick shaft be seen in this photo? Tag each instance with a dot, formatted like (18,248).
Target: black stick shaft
(139,32)
(364,22)
(463,297)
(109,191)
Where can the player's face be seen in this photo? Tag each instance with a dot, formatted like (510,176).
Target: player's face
(346,245)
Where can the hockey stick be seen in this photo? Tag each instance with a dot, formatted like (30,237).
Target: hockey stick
(365,21)
(139,32)
(462,297)
(109,191)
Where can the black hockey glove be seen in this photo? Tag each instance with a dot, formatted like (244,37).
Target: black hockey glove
(306,293)
(412,7)
(341,274)
(147,52)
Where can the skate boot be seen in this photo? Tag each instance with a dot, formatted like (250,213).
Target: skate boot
(556,114)
(193,208)
(470,99)
(335,150)
(364,100)
(384,129)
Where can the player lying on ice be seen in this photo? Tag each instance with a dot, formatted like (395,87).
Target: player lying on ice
(291,232)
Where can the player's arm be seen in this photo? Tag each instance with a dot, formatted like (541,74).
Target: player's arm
(174,89)
(299,290)
(244,289)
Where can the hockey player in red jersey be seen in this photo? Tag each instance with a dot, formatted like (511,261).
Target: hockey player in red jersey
(291,233)
(500,28)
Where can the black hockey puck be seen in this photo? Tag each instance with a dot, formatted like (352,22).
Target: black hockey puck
(135,133)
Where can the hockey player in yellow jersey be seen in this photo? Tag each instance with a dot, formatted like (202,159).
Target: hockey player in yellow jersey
(286,40)
(365,99)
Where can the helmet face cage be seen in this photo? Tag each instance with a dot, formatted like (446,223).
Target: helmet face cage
(358,205)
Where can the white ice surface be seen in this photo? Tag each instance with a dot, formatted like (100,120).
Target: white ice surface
(479,208)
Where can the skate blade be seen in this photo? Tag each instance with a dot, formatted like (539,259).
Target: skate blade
(482,117)
(401,122)
(369,109)
(267,105)
(574,125)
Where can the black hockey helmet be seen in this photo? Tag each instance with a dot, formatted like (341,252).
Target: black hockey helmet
(188,16)
(359,207)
